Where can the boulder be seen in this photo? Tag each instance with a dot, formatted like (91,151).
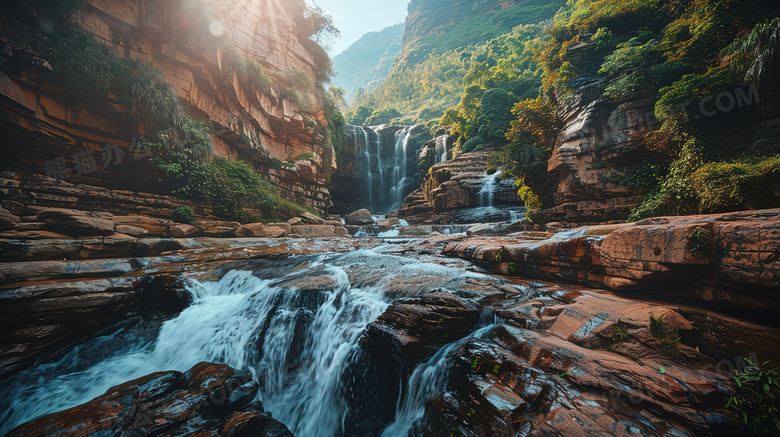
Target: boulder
(295,221)
(216,228)
(261,230)
(32,235)
(15,208)
(7,220)
(30,226)
(180,230)
(492,229)
(131,230)
(75,222)
(286,226)
(311,219)
(412,330)
(359,218)
(154,226)
(384,225)
(211,398)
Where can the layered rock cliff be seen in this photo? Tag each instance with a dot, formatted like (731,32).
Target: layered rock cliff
(50,131)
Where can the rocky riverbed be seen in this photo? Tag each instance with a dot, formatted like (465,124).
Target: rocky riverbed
(491,330)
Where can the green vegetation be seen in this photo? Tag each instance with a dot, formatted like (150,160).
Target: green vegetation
(367,62)
(756,401)
(92,70)
(695,187)
(477,29)
(679,53)
(382,116)
(183,214)
(620,332)
(229,187)
(662,333)
(424,90)
(701,242)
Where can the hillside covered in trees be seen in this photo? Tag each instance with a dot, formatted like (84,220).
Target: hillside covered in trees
(367,62)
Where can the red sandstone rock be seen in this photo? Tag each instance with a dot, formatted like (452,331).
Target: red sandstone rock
(153,226)
(7,220)
(216,228)
(180,230)
(311,219)
(313,231)
(135,231)
(73,222)
(720,251)
(260,230)
(359,218)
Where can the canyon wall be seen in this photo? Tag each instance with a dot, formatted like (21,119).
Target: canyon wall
(604,140)
(48,131)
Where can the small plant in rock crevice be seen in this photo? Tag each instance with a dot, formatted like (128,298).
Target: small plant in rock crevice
(701,242)
(620,332)
(662,333)
(183,214)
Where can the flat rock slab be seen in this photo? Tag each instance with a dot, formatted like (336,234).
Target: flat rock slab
(75,222)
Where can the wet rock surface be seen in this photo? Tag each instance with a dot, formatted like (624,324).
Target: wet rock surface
(726,259)
(568,362)
(455,185)
(208,400)
(359,218)
(555,360)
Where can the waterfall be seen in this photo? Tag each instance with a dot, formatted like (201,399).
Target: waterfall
(488,192)
(441,148)
(385,178)
(428,379)
(297,343)
(382,191)
(399,181)
(364,164)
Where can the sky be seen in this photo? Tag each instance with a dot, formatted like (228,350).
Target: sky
(355,18)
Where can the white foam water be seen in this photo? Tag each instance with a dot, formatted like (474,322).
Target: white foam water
(296,343)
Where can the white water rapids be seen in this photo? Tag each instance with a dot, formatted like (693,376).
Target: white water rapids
(296,343)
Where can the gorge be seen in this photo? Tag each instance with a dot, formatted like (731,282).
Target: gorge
(524,218)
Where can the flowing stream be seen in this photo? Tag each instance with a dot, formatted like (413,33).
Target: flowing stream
(295,337)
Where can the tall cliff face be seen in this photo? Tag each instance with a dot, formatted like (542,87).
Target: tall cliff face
(47,129)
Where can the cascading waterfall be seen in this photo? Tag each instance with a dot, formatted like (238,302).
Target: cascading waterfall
(365,169)
(399,181)
(488,192)
(441,148)
(296,343)
(427,380)
(385,178)
(381,168)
